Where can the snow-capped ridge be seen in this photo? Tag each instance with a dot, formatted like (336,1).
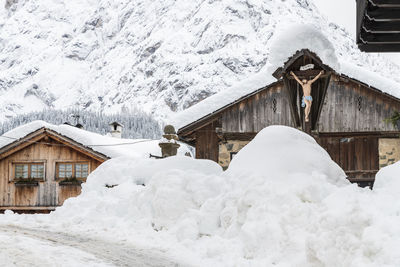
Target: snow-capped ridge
(161,56)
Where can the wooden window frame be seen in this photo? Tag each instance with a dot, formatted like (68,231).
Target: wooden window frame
(12,165)
(73,162)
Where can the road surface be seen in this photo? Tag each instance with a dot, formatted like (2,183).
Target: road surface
(37,247)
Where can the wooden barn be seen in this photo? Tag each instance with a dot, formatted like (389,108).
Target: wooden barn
(347,118)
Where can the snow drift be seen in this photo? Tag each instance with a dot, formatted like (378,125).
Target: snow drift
(282,202)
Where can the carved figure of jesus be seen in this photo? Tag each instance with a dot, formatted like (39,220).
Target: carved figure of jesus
(307,98)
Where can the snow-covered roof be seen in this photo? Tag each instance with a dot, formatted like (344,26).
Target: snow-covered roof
(106,145)
(285,44)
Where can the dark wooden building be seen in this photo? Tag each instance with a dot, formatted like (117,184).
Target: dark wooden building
(347,119)
(378,25)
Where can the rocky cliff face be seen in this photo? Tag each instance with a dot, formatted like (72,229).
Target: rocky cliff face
(158,55)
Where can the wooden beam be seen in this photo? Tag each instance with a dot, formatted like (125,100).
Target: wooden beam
(379,48)
(381,26)
(385,3)
(361,134)
(380,38)
(383,14)
(325,89)
(238,136)
(28,208)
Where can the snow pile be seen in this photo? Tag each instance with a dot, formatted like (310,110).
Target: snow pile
(294,37)
(388,178)
(107,145)
(282,202)
(287,157)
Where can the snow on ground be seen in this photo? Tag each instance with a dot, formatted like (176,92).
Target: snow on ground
(20,250)
(282,202)
(109,146)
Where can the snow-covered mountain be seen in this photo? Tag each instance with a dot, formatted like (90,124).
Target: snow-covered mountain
(158,55)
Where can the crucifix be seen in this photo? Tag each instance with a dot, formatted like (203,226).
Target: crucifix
(307,98)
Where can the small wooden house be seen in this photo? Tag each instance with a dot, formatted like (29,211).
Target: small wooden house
(347,118)
(40,168)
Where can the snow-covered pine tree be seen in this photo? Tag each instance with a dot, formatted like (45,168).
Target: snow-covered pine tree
(137,124)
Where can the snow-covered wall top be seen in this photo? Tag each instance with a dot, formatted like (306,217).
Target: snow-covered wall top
(159,55)
(109,146)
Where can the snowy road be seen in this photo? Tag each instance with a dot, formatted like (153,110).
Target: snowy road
(37,247)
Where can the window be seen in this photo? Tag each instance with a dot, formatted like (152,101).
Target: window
(72,170)
(81,170)
(64,170)
(37,171)
(29,170)
(21,171)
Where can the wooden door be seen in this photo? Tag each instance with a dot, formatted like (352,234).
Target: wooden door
(358,156)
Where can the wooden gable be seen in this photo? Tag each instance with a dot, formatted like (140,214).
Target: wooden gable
(44,135)
(294,91)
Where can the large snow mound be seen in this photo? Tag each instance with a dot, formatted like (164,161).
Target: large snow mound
(282,152)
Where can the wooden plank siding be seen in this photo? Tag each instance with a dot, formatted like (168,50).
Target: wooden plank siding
(358,156)
(268,107)
(207,142)
(48,193)
(351,107)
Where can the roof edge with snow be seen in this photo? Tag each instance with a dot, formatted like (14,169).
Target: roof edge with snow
(31,137)
(278,74)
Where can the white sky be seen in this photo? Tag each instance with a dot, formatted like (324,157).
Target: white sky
(343,13)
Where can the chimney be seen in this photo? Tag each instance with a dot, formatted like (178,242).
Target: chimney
(116,129)
(80,126)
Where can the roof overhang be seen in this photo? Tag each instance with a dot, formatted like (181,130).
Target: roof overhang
(37,135)
(278,74)
(378,25)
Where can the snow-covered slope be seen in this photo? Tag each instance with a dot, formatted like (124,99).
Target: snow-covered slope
(159,55)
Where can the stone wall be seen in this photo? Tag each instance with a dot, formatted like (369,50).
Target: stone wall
(227,150)
(389,151)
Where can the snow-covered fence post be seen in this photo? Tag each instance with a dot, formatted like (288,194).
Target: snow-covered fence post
(168,144)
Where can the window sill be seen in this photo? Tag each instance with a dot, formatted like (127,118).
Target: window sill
(27,182)
(70,182)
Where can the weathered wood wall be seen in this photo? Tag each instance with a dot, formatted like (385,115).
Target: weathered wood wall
(358,156)
(207,142)
(351,107)
(267,107)
(48,193)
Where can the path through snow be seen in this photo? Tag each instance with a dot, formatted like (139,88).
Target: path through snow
(37,247)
